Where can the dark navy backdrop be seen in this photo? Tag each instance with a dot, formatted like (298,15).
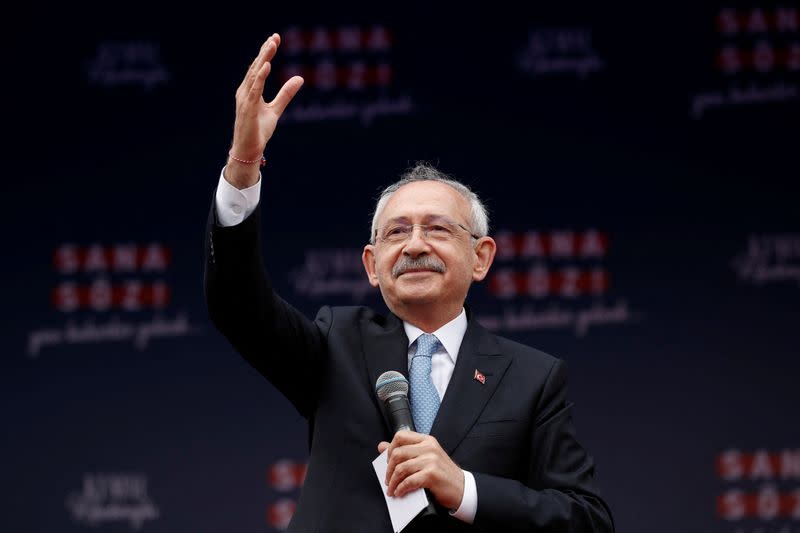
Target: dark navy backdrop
(668,136)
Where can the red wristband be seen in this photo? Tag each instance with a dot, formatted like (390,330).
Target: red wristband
(261,161)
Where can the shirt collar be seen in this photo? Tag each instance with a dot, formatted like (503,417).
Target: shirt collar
(450,335)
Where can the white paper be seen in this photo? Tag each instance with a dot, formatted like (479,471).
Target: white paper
(401,510)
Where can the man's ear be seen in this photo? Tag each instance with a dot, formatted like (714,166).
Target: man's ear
(485,249)
(368,258)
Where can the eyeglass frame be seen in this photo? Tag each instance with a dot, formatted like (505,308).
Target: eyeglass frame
(424,227)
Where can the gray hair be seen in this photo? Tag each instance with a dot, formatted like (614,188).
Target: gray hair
(426,172)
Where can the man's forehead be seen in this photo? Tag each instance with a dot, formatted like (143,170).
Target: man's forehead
(426,199)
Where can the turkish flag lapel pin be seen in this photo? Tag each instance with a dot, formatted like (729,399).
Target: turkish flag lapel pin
(479,377)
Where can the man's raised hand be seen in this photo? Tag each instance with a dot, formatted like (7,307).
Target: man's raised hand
(255,118)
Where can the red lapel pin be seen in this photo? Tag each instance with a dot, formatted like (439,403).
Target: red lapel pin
(479,377)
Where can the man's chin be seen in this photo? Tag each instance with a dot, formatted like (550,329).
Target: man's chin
(418,287)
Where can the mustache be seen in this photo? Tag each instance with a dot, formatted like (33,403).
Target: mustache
(425,262)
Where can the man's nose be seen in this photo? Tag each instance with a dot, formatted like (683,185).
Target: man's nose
(416,243)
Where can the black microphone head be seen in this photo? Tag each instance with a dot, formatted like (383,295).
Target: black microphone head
(390,384)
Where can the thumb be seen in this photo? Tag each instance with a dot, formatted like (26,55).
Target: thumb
(382,446)
(286,94)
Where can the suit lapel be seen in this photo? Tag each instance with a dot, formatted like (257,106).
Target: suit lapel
(466,397)
(385,348)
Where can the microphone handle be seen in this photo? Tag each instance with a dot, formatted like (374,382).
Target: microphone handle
(399,414)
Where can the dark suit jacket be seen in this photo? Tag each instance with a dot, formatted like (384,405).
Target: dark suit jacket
(514,433)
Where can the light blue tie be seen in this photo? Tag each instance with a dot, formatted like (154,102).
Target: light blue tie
(424,398)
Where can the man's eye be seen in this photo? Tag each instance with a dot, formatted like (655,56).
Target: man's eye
(437,228)
(396,230)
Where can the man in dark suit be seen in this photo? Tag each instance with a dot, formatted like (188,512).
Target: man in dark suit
(495,445)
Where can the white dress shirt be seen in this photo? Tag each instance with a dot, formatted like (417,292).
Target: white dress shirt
(443,361)
(234,205)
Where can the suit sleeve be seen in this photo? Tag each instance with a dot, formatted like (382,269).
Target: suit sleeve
(277,340)
(559,493)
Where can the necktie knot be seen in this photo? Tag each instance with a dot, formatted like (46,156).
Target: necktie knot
(427,344)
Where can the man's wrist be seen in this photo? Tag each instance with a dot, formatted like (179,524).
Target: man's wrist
(241,175)
(469,500)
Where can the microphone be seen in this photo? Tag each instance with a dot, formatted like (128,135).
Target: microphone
(392,390)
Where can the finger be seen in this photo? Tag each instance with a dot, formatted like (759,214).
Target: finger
(382,446)
(394,456)
(276,40)
(249,76)
(401,438)
(413,482)
(253,77)
(405,438)
(286,94)
(401,454)
(408,437)
(260,57)
(402,471)
(256,65)
(257,89)
(398,454)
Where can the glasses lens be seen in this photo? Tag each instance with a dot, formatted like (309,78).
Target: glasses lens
(440,232)
(396,232)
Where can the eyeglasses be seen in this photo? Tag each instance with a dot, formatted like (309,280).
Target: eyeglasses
(439,231)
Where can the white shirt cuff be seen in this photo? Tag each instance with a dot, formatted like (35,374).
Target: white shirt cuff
(234,205)
(469,502)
